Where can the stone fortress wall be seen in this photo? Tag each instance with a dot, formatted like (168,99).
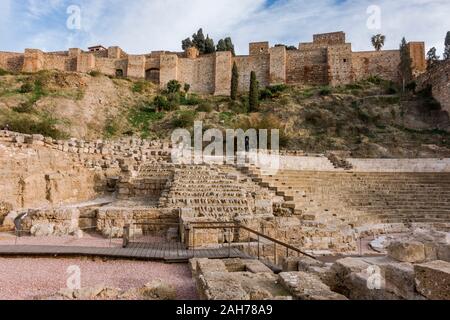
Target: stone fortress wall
(328,60)
(439,80)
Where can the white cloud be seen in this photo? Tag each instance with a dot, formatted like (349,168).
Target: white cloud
(39,8)
(143,25)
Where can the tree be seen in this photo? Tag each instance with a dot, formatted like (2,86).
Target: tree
(187,43)
(173,86)
(226,45)
(253,96)
(229,45)
(447,47)
(221,46)
(187,87)
(234,82)
(432,58)
(209,45)
(405,69)
(286,46)
(378,41)
(199,41)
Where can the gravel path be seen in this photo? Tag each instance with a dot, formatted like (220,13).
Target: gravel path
(28,278)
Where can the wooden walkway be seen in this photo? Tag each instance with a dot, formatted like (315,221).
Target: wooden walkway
(167,252)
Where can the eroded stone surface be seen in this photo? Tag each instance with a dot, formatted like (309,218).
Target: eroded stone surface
(433,279)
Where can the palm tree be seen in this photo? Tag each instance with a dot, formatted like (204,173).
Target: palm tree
(378,41)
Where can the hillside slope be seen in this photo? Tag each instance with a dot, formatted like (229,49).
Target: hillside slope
(367,119)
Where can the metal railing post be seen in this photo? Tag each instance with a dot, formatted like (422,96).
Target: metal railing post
(275,253)
(193,241)
(258,248)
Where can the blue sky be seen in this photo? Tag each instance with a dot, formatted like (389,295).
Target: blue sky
(139,26)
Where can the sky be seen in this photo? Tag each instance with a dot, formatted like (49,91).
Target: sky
(140,26)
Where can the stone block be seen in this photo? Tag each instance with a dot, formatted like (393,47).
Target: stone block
(400,280)
(256,266)
(433,279)
(407,251)
(305,286)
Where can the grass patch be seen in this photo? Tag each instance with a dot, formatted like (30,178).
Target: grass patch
(184,119)
(25,123)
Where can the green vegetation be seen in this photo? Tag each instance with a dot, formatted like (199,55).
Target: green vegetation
(184,119)
(205,107)
(38,123)
(95,74)
(206,45)
(234,82)
(378,41)
(139,86)
(142,117)
(253,96)
(405,63)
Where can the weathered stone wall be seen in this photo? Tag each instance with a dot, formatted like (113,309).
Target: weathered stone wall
(439,79)
(110,66)
(246,64)
(417,53)
(332,38)
(33,60)
(58,62)
(307,65)
(39,177)
(136,67)
(328,60)
(12,62)
(340,64)
(256,48)
(376,63)
(199,73)
(277,65)
(223,73)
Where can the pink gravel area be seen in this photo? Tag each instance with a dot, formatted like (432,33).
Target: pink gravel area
(88,240)
(33,278)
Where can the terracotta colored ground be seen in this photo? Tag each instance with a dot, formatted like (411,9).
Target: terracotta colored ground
(27,278)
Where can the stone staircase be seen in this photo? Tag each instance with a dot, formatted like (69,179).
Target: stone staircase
(209,192)
(346,199)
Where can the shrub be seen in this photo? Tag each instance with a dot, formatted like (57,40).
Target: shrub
(205,107)
(161,103)
(374,80)
(139,87)
(353,86)
(173,86)
(27,87)
(432,104)
(111,128)
(411,86)
(3,72)
(265,94)
(174,100)
(37,124)
(325,91)
(184,119)
(191,100)
(95,73)
(390,88)
(24,107)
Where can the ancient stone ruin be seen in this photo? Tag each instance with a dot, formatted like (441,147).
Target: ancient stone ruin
(321,227)
(328,60)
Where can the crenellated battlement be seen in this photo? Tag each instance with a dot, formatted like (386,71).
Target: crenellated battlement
(328,60)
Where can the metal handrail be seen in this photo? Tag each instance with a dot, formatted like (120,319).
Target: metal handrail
(233,225)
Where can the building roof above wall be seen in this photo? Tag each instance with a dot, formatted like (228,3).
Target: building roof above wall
(97,48)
